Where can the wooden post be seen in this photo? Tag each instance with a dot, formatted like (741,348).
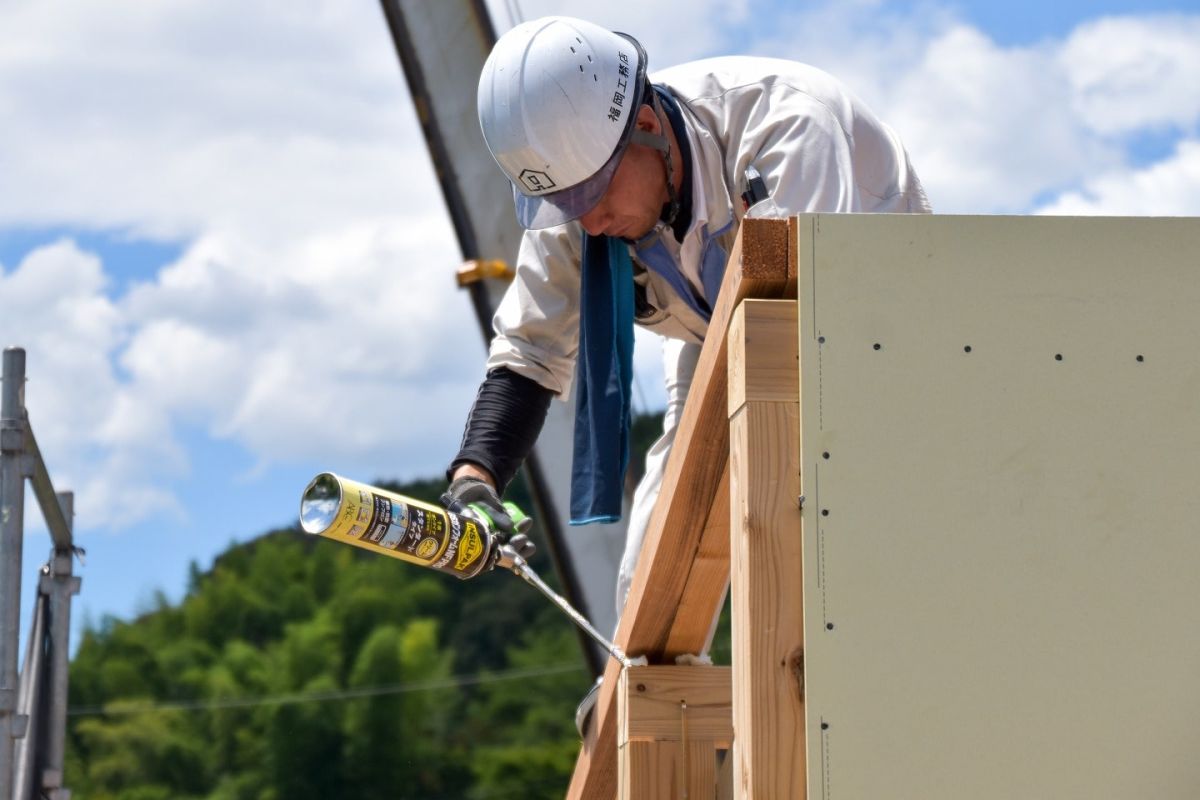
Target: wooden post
(671,722)
(681,532)
(765,551)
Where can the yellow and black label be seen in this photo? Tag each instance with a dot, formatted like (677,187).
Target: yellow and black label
(470,548)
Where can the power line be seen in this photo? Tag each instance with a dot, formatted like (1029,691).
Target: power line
(321,697)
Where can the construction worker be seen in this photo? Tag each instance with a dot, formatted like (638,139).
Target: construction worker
(631,193)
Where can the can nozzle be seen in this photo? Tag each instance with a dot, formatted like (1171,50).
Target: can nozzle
(511,559)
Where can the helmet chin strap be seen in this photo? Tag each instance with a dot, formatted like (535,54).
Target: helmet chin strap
(662,144)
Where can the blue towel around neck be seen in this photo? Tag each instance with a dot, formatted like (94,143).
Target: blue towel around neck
(603,383)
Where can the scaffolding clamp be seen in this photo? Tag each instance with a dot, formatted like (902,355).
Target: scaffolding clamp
(474,270)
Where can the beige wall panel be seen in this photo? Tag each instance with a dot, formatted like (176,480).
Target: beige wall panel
(1002,549)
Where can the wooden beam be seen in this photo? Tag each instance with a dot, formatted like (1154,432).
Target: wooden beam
(656,771)
(766,567)
(708,582)
(651,698)
(757,268)
(672,720)
(793,261)
(764,354)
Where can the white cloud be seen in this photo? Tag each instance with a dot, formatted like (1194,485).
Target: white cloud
(1128,73)
(868,44)
(312,312)
(354,345)
(991,127)
(996,128)
(53,306)
(89,426)
(182,365)
(671,30)
(135,452)
(355,342)
(172,119)
(1168,188)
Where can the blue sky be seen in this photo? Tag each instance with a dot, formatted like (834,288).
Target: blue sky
(1022,22)
(128,258)
(223,247)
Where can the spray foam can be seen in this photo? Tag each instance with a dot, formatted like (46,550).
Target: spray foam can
(397,526)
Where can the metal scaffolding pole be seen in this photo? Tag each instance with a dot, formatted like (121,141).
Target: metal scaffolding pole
(12,516)
(29,701)
(33,709)
(58,584)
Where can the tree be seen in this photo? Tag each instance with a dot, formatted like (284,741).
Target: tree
(137,747)
(297,667)
(395,739)
(305,744)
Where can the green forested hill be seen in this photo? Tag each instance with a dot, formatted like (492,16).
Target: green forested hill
(301,668)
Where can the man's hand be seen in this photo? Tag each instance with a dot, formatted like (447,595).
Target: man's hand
(468,490)
(473,486)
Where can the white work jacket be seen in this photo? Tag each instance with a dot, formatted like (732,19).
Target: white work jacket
(817,147)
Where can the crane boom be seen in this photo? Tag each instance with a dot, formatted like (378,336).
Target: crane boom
(442,47)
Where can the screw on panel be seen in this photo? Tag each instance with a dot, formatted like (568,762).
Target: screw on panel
(828,626)
(1141,359)
(825,455)
(967,349)
(1058,357)
(878,346)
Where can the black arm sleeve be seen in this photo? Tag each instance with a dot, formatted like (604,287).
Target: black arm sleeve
(504,423)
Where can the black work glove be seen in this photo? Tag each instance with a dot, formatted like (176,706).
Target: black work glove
(467,491)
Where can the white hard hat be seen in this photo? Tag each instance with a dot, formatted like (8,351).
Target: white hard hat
(558,98)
